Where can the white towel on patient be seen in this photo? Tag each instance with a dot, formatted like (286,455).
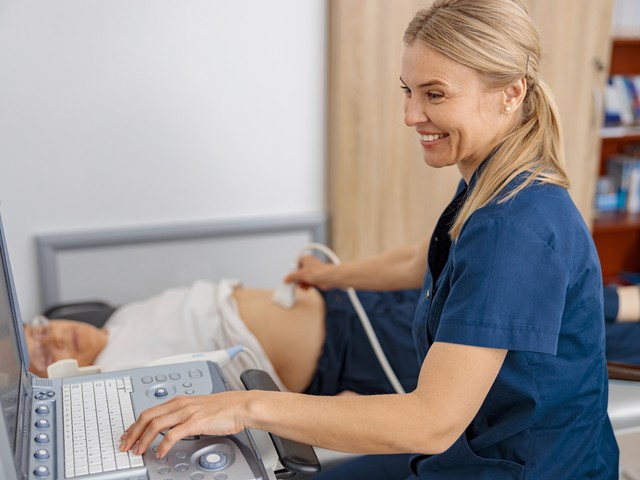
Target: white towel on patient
(200,318)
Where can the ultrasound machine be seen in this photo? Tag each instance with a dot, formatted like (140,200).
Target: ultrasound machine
(70,428)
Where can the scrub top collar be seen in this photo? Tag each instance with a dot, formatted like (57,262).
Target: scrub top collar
(440,244)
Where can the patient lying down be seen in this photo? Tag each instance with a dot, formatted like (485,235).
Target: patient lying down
(317,347)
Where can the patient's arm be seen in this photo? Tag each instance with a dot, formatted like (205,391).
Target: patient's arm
(292,339)
(628,304)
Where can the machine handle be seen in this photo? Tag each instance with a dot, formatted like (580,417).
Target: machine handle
(294,456)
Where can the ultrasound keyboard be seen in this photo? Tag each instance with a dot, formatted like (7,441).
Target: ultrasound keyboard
(95,415)
(77,423)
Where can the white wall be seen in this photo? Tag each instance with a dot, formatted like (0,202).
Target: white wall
(138,112)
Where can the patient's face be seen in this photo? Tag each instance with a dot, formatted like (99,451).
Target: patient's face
(62,339)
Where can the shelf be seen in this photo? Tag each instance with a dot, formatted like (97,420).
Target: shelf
(617,234)
(629,41)
(617,239)
(621,133)
(614,222)
(624,57)
(615,140)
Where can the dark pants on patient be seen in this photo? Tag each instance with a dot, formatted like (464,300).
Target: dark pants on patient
(348,362)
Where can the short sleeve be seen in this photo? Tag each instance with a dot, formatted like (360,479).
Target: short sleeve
(507,289)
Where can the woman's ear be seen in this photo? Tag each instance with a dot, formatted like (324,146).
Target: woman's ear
(513,95)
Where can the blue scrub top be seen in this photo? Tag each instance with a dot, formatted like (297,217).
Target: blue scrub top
(523,275)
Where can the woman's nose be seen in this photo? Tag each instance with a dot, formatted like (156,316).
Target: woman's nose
(53,340)
(414,113)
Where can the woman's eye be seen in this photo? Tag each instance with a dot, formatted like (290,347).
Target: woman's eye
(405,89)
(434,95)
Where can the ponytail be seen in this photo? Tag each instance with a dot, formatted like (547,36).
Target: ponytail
(535,146)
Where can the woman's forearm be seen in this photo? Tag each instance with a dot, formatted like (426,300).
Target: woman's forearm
(396,269)
(453,383)
(355,424)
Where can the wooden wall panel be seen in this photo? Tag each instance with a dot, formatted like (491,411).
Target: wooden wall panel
(381,193)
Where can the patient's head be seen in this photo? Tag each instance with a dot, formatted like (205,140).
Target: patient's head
(51,340)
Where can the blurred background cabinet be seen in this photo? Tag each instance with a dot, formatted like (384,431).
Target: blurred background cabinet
(617,234)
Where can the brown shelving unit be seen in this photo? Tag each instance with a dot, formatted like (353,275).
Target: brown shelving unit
(617,235)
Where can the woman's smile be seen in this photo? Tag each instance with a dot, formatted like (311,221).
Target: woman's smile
(430,139)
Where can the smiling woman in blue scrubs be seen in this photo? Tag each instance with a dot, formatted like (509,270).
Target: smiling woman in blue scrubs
(509,326)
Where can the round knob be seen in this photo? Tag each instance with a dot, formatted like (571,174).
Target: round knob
(161,392)
(42,423)
(41,471)
(213,460)
(41,454)
(42,410)
(42,438)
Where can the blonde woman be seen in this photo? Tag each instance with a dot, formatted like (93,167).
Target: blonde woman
(509,326)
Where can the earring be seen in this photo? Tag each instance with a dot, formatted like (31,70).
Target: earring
(507,109)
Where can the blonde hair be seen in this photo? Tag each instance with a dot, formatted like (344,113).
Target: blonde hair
(497,38)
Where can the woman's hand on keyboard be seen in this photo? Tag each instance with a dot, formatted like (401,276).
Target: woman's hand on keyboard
(182,416)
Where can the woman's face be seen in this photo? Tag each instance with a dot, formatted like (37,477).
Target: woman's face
(62,339)
(459,120)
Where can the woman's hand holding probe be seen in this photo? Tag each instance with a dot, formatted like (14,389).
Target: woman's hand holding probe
(313,272)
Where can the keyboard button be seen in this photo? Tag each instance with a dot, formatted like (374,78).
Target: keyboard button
(41,454)
(122,460)
(42,410)
(161,392)
(135,460)
(42,423)
(41,471)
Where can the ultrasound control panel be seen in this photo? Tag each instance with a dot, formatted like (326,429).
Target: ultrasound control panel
(233,457)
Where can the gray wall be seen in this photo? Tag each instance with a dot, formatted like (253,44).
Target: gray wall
(121,113)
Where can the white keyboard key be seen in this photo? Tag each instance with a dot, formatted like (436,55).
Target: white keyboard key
(135,460)
(82,470)
(122,460)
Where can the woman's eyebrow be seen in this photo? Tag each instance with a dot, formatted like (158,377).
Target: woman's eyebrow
(430,83)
